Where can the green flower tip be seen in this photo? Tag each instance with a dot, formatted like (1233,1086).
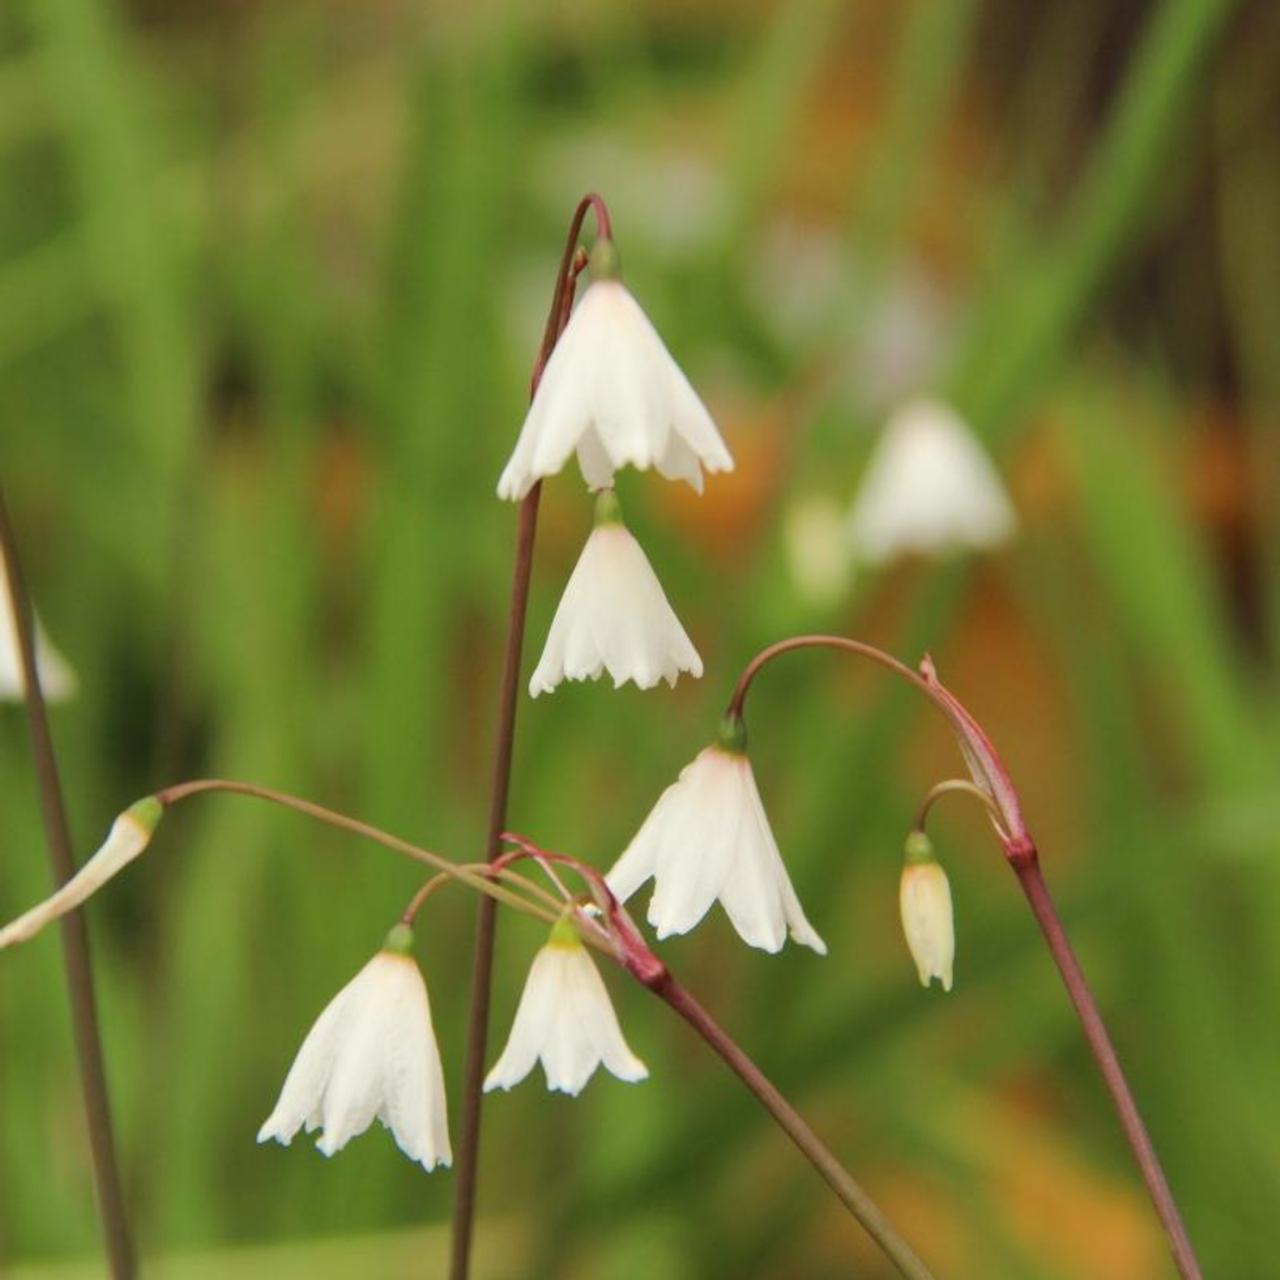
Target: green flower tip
(564,933)
(608,508)
(918,849)
(147,813)
(604,261)
(400,940)
(732,734)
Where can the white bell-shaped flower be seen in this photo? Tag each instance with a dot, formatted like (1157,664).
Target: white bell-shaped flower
(612,393)
(929,487)
(57,679)
(708,838)
(924,898)
(614,616)
(371,1054)
(565,1018)
(130,834)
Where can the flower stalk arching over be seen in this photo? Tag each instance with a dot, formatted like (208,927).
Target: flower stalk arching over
(372,1054)
(994,784)
(566,1020)
(611,392)
(614,616)
(708,839)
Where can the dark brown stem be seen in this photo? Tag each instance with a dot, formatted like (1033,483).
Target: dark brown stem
(793,1124)
(464,1196)
(75,938)
(1095,1031)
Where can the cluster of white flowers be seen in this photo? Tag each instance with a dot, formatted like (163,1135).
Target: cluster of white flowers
(612,394)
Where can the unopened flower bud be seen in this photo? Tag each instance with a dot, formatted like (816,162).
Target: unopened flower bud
(925,900)
(129,836)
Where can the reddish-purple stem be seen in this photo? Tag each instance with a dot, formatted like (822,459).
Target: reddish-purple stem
(571,264)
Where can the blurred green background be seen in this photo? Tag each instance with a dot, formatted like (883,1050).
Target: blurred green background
(272,276)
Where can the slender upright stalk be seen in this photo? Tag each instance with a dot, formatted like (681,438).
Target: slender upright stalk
(793,1124)
(1033,885)
(482,970)
(75,938)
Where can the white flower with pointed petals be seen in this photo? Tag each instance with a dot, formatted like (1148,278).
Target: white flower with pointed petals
(614,617)
(708,838)
(924,899)
(929,487)
(565,1018)
(371,1054)
(612,393)
(130,834)
(57,679)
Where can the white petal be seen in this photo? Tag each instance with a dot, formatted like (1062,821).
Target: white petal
(706,838)
(929,486)
(371,1053)
(614,617)
(532,1021)
(611,391)
(927,921)
(595,1012)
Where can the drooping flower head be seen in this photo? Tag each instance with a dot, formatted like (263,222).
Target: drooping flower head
(924,897)
(612,393)
(708,838)
(57,679)
(564,1018)
(371,1054)
(929,487)
(614,616)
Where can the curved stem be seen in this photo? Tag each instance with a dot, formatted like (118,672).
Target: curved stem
(953,786)
(767,655)
(793,1124)
(482,966)
(1033,885)
(442,878)
(75,938)
(478,880)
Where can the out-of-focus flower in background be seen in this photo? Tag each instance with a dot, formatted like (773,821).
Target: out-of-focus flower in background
(929,488)
(815,540)
(57,679)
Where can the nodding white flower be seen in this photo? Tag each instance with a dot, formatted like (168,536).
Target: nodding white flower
(614,616)
(371,1053)
(130,834)
(57,679)
(924,898)
(612,393)
(708,838)
(565,1018)
(929,487)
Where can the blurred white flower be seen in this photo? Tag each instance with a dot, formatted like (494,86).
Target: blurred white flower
(371,1053)
(614,616)
(924,898)
(929,487)
(707,838)
(57,679)
(130,834)
(612,392)
(816,542)
(565,1018)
